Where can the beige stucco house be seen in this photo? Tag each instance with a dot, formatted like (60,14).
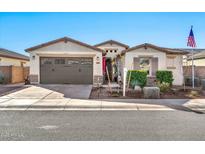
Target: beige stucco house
(199,57)
(199,63)
(10,58)
(66,60)
(14,67)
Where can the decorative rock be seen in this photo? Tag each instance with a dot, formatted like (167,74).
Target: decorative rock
(174,90)
(138,88)
(151,92)
(194,93)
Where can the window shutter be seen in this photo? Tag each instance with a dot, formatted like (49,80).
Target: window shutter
(136,63)
(154,65)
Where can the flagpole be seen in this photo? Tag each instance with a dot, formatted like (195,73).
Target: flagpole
(193,69)
(193,75)
(192,43)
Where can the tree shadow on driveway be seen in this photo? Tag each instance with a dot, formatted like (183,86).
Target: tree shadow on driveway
(176,104)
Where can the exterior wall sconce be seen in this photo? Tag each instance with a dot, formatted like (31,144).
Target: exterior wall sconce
(97,60)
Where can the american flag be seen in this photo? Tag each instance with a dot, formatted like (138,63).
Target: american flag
(191,41)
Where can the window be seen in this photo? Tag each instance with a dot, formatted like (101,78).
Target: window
(112,50)
(46,61)
(145,64)
(171,62)
(59,61)
(71,62)
(86,61)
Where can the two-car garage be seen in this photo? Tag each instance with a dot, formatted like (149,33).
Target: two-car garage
(65,61)
(72,70)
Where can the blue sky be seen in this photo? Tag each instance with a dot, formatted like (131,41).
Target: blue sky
(19,31)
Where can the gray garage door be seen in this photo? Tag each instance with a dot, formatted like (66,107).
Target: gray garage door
(66,70)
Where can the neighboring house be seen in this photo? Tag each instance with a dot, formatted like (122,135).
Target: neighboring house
(70,61)
(13,67)
(10,58)
(199,57)
(199,63)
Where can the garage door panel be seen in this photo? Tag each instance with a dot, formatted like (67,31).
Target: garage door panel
(46,66)
(66,70)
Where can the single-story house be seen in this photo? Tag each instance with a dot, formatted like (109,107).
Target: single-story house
(199,63)
(11,58)
(66,60)
(14,67)
(199,57)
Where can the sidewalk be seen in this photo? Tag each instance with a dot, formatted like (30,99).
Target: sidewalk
(191,105)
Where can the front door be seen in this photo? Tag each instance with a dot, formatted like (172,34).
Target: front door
(145,64)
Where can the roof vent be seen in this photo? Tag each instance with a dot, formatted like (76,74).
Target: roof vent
(65,40)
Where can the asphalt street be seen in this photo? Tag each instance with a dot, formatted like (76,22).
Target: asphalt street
(101,125)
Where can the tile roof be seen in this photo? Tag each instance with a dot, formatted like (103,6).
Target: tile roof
(12,54)
(112,42)
(167,50)
(65,39)
(190,50)
(198,53)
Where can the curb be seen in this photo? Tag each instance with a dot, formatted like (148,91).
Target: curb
(107,107)
(75,107)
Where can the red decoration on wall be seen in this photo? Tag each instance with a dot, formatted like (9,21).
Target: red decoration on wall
(104,64)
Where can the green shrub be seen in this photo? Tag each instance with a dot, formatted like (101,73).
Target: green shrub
(164,86)
(138,77)
(164,76)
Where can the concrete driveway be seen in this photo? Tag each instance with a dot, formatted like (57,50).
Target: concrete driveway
(8,88)
(52,92)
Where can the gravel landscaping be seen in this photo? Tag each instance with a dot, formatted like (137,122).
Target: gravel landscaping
(175,93)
